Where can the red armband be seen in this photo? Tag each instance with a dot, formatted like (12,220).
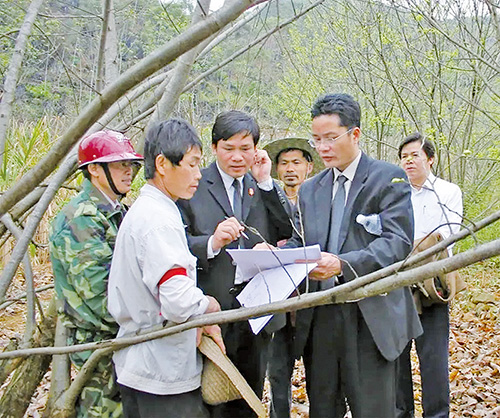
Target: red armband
(179,271)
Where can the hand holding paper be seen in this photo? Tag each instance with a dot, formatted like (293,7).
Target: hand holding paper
(274,275)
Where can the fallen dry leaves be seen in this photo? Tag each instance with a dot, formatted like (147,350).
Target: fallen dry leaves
(474,349)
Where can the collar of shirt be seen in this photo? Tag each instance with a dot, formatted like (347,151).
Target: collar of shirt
(152,191)
(348,173)
(102,197)
(114,203)
(427,186)
(228,182)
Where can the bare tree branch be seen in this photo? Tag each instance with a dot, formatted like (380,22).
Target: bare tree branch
(147,66)
(65,404)
(22,244)
(23,206)
(251,45)
(181,71)
(23,295)
(12,76)
(60,378)
(352,291)
(28,275)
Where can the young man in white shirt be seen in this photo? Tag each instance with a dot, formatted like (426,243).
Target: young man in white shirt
(153,279)
(437,206)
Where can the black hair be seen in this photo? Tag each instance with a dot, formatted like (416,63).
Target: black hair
(340,104)
(172,138)
(85,172)
(306,154)
(427,145)
(233,122)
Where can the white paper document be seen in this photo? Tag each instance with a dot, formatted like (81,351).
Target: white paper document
(270,282)
(251,262)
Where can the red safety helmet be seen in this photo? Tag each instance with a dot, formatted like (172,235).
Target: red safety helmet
(106,147)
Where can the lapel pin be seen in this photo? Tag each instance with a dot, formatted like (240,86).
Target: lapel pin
(251,192)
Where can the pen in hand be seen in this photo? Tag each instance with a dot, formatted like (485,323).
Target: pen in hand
(242,233)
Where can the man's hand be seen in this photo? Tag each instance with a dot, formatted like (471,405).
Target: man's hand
(213,305)
(329,265)
(213,331)
(264,246)
(261,168)
(225,233)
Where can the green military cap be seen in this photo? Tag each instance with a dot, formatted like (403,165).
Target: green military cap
(275,147)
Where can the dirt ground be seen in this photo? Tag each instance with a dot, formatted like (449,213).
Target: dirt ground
(474,346)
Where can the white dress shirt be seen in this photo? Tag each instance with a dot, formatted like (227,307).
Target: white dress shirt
(228,181)
(348,173)
(438,204)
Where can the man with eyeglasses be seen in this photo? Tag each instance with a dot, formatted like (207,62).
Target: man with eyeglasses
(360,213)
(437,207)
(81,245)
(293,164)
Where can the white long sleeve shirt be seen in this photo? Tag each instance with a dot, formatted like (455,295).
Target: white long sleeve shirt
(437,204)
(151,242)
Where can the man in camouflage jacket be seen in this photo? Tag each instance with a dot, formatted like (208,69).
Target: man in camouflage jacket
(81,246)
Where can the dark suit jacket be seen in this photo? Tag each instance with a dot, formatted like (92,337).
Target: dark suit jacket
(210,206)
(392,319)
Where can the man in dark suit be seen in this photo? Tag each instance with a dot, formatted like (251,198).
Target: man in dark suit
(360,213)
(226,195)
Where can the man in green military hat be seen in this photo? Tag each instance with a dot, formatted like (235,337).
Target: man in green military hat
(294,161)
(81,244)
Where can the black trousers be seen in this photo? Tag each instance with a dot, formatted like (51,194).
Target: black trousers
(280,369)
(432,350)
(137,404)
(249,353)
(341,358)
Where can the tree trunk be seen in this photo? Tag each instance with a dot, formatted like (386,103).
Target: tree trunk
(111,71)
(9,87)
(132,77)
(7,366)
(181,72)
(60,377)
(28,375)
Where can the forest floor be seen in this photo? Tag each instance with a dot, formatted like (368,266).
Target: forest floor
(474,346)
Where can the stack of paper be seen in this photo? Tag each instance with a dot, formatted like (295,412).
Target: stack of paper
(273,275)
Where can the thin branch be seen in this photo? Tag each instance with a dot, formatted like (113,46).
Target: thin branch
(9,87)
(354,290)
(21,296)
(139,72)
(28,276)
(69,16)
(251,45)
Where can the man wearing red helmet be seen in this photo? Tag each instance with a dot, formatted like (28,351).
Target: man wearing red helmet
(81,245)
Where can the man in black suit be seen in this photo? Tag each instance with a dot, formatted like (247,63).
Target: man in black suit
(226,195)
(360,213)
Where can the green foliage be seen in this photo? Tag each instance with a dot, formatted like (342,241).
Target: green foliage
(478,204)
(23,149)
(407,72)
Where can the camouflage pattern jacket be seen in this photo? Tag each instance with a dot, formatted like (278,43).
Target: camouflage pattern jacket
(82,240)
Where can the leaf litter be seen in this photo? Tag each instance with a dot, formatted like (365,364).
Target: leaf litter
(474,348)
